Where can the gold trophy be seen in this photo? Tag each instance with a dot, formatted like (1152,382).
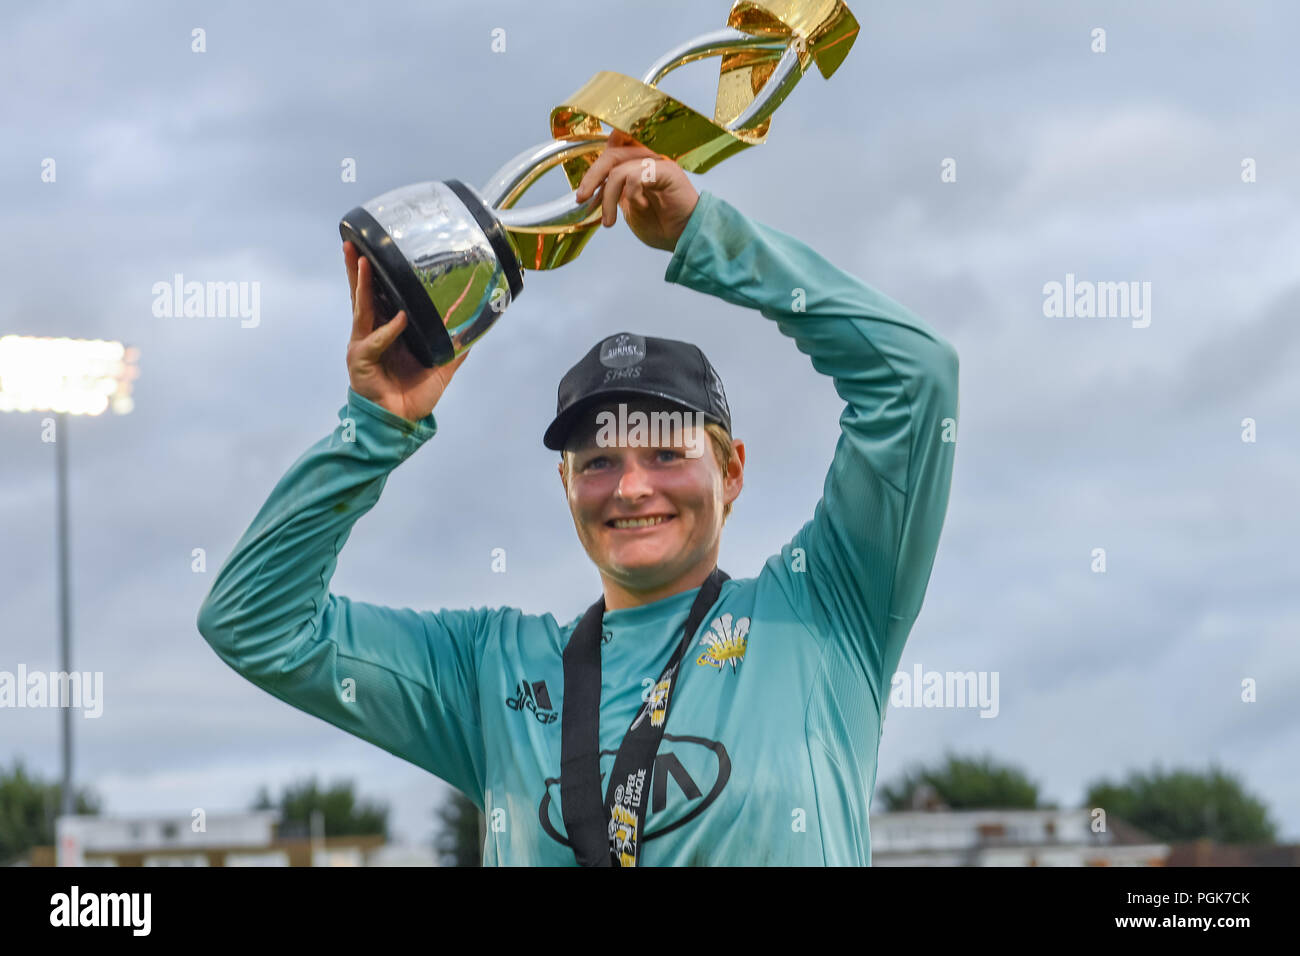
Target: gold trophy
(453,257)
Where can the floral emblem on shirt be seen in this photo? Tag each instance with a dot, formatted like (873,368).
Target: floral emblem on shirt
(724,641)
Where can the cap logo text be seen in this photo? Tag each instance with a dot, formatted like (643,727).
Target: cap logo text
(622,351)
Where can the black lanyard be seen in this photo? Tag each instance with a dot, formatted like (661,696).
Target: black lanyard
(608,832)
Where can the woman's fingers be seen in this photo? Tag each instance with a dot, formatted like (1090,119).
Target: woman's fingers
(350,257)
(378,342)
(350,260)
(623,189)
(612,194)
(363,312)
(611,157)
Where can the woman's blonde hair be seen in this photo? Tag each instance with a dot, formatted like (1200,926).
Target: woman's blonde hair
(724,449)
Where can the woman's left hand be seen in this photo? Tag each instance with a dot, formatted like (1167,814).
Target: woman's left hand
(656,197)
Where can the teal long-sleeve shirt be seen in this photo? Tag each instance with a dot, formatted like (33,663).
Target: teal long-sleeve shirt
(770,748)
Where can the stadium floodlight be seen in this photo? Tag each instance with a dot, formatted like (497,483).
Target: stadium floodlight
(69,376)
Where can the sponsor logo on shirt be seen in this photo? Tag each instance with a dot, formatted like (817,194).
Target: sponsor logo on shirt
(725,642)
(689,774)
(535,698)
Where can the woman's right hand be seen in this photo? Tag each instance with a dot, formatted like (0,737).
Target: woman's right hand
(380,366)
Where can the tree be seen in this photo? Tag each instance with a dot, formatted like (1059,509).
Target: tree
(962,783)
(459,840)
(28,808)
(344,814)
(1186,805)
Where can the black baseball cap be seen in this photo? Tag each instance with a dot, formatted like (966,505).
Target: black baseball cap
(627,365)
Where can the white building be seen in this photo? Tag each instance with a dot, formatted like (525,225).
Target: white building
(250,838)
(1009,838)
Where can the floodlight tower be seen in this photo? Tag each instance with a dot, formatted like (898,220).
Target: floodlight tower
(67,377)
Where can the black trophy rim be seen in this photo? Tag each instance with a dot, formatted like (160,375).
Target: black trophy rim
(496,235)
(425,335)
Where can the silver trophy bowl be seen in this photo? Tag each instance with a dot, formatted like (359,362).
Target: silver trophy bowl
(438,253)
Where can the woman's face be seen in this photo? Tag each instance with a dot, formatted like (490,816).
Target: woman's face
(682,496)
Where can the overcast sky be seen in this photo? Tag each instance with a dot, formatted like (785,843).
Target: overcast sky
(1075,433)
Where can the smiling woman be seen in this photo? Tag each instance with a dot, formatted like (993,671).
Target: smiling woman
(641,427)
(647,504)
(719,440)
(698,718)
